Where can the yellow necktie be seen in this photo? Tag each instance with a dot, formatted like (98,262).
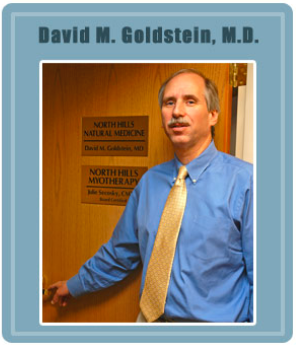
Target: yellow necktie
(160,264)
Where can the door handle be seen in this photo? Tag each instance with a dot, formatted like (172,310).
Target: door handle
(47,294)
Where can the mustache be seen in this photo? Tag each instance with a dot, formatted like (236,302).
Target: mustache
(180,120)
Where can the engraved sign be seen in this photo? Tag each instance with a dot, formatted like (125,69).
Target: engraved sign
(115,136)
(109,184)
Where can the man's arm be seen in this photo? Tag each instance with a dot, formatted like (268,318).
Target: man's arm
(247,242)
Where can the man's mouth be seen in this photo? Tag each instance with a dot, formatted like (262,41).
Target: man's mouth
(178,125)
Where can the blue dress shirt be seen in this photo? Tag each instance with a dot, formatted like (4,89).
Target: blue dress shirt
(212,273)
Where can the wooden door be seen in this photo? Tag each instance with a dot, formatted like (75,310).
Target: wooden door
(73,231)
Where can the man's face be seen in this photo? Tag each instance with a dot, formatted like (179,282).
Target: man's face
(185,117)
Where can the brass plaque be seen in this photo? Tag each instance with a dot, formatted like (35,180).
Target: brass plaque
(115,136)
(109,184)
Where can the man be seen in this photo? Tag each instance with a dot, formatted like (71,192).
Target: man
(210,275)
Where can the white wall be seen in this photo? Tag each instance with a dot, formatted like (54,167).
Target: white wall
(244,127)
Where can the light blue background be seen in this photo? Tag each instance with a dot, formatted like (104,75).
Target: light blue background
(21,56)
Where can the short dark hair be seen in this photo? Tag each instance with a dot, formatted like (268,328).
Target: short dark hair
(210,93)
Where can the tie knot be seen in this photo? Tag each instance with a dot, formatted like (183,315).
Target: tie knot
(181,175)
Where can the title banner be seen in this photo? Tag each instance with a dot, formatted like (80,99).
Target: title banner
(147,34)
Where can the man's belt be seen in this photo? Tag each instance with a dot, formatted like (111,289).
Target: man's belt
(164,318)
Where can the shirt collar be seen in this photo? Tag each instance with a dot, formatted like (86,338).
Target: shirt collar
(198,165)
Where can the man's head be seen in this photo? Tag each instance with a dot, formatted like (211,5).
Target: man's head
(190,106)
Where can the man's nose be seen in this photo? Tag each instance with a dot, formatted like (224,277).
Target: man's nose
(178,110)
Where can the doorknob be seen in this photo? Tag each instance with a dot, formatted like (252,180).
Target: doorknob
(46,293)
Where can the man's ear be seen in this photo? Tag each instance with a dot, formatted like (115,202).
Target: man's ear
(214,116)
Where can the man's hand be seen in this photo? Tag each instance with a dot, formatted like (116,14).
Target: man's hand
(62,294)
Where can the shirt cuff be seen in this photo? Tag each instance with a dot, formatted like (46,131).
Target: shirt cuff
(75,286)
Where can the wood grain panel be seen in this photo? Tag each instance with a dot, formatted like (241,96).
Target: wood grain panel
(73,231)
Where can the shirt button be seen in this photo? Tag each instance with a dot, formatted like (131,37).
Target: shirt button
(194,181)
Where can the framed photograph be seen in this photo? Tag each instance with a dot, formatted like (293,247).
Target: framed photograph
(85,135)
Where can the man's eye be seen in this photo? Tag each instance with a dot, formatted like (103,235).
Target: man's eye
(191,102)
(169,103)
